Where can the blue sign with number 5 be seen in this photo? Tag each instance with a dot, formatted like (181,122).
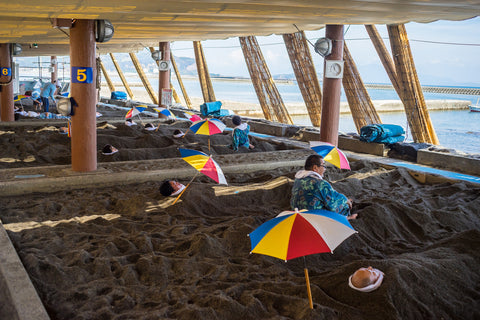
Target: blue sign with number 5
(82,75)
(5,71)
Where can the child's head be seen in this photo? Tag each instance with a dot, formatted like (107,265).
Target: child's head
(236,120)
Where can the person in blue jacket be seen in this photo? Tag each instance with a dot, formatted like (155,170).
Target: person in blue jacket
(48,91)
(311,192)
(240,134)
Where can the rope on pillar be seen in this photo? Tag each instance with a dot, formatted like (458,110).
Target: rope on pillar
(304,69)
(409,85)
(143,77)
(203,75)
(267,93)
(122,76)
(361,106)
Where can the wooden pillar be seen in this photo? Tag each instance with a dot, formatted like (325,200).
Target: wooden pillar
(305,73)
(361,106)
(411,91)
(110,84)
(143,77)
(163,76)
(332,88)
(54,66)
(270,100)
(122,76)
(6,83)
(83,72)
(180,82)
(203,75)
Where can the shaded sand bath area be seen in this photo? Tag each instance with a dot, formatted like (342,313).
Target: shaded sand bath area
(108,250)
(89,236)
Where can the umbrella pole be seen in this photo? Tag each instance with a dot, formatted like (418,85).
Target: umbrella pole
(308,288)
(208,144)
(141,120)
(185,189)
(307,279)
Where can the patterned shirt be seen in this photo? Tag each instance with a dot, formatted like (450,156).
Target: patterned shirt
(240,136)
(311,192)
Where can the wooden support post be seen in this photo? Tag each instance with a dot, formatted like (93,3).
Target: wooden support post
(6,83)
(122,76)
(409,85)
(143,77)
(110,84)
(163,76)
(361,106)
(267,93)
(180,82)
(54,66)
(203,75)
(304,69)
(332,88)
(83,65)
(384,56)
(174,93)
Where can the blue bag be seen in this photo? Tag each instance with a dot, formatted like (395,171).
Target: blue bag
(210,108)
(382,133)
(118,95)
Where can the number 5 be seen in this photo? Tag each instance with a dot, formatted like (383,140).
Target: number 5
(81,75)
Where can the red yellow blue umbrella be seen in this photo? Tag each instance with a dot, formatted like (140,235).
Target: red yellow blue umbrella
(294,234)
(165,112)
(135,111)
(204,164)
(208,127)
(331,154)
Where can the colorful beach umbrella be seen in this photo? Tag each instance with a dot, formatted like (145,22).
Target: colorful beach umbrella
(192,116)
(331,154)
(204,164)
(294,234)
(20,97)
(165,112)
(208,127)
(135,111)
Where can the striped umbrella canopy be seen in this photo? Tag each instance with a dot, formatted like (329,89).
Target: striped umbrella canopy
(135,111)
(294,234)
(20,97)
(208,127)
(165,112)
(192,116)
(204,164)
(331,154)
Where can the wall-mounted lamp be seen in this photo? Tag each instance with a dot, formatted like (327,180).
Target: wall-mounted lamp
(16,49)
(323,47)
(156,55)
(103,30)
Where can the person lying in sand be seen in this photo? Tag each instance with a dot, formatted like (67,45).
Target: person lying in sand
(366,279)
(108,150)
(177,134)
(171,188)
(311,192)
(149,127)
(240,134)
(130,122)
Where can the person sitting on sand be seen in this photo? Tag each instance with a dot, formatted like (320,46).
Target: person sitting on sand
(311,192)
(177,134)
(171,188)
(108,150)
(240,134)
(366,279)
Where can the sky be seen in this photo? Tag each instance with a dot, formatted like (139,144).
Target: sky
(445,53)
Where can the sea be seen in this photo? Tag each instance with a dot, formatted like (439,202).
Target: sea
(455,129)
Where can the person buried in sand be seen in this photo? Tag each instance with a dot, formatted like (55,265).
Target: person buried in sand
(240,134)
(171,188)
(311,192)
(366,279)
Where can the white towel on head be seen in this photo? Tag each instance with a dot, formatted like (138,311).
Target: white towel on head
(368,288)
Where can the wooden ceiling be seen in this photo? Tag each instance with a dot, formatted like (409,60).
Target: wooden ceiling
(140,24)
